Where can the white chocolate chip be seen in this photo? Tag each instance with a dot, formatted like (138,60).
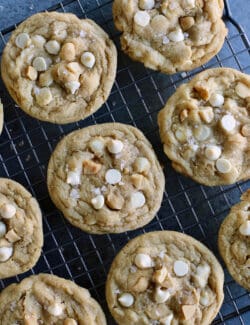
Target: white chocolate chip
(142,18)
(40,64)
(69,321)
(113,176)
(202,275)
(3,229)
(56,309)
(137,200)
(88,59)
(74,178)
(5,253)
(176,36)
(181,135)
(212,152)
(202,133)
(115,146)
(126,300)
(68,52)
(216,100)
(141,165)
(223,165)
(242,90)
(52,47)
(44,96)
(97,146)
(167,320)
(7,211)
(38,40)
(204,299)
(228,123)
(72,86)
(207,115)
(245,228)
(161,295)
(165,40)
(143,261)
(74,194)
(146,4)
(181,268)
(98,202)
(31,73)
(22,40)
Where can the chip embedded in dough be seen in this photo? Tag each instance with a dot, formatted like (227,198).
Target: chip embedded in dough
(21,233)
(205,127)
(234,241)
(1,116)
(164,277)
(48,299)
(106,178)
(59,68)
(173,35)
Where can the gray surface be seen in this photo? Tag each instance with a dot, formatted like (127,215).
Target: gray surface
(241,12)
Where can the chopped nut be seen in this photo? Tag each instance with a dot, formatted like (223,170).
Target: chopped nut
(146,4)
(31,73)
(12,236)
(242,90)
(186,22)
(90,167)
(137,181)
(190,297)
(183,115)
(160,275)
(181,135)
(30,320)
(141,285)
(45,79)
(161,295)
(68,52)
(245,130)
(188,311)
(202,91)
(74,67)
(115,200)
(167,320)
(74,177)
(207,115)
(4,243)
(72,86)
(193,116)
(69,321)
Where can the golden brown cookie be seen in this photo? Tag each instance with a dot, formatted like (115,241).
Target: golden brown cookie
(234,241)
(21,233)
(106,178)
(59,68)
(48,299)
(170,35)
(164,278)
(205,127)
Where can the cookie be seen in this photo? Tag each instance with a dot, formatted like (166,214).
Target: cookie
(48,299)
(21,233)
(1,116)
(164,278)
(205,127)
(234,241)
(106,178)
(59,68)
(170,35)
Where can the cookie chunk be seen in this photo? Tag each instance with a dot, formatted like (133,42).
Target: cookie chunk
(234,241)
(21,234)
(59,68)
(48,299)
(205,127)
(165,278)
(170,35)
(106,178)
(1,116)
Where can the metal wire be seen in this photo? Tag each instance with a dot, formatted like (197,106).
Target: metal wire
(138,94)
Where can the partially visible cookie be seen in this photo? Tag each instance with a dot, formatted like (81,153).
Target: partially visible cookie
(164,278)
(48,299)
(21,233)
(1,116)
(234,241)
(106,178)
(59,68)
(170,35)
(205,127)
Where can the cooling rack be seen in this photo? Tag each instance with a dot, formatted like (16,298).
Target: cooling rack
(137,96)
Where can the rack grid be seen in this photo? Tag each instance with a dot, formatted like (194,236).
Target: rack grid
(137,96)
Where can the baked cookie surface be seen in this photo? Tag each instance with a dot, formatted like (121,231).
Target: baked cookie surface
(163,278)
(1,116)
(205,127)
(48,299)
(21,232)
(170,35)
(234,241)
(59,68)
(106,178)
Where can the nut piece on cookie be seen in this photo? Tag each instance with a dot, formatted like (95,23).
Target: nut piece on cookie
(90,167)
(30,319)
(188,311)
(186,23)
(12,236)
(69,321)
(31,73)
(68,52)
(146,4)
(207,114)
(115,200)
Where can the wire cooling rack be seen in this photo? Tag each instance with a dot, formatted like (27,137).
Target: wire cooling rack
(137,96)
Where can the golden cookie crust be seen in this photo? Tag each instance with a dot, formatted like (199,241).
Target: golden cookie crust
(191,124)
(186,293)
(118,212)
(67,91)
(24,230)
(31,301)
(200,32)
(235,247)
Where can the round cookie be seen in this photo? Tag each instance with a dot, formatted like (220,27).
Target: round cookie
(164,278)
(48,299)
(234,241)
(205,127)
(21,233)
(170,35)
(106,178)
(1,116)
(59,68)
